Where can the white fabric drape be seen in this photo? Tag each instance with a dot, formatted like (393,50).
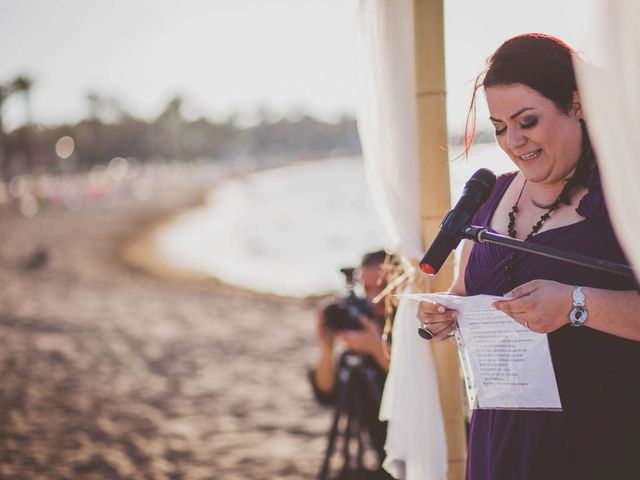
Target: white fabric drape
(608,84)
(416,444)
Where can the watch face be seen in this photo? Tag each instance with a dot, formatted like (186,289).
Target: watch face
(578,316)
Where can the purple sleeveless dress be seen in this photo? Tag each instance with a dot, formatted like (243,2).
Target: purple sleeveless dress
(597,435)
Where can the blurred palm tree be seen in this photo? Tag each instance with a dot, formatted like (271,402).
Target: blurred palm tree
(23,84)
(5,92)
(169,122)
(20,84)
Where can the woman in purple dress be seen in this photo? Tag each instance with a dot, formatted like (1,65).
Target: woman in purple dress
(592,319)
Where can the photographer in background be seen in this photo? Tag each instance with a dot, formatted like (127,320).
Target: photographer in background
(353,380)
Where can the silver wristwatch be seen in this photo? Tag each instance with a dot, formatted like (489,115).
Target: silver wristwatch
(578,315)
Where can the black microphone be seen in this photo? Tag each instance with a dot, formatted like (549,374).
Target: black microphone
(475,193)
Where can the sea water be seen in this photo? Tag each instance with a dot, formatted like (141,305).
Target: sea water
(289,230)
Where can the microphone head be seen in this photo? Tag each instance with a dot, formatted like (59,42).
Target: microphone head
(481,183)
(476,191)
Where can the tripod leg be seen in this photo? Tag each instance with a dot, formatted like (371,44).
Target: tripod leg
(346,455)
(359,433)
(333,433)
(330,445)
(377,432)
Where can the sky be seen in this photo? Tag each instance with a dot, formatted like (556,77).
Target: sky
(227,56)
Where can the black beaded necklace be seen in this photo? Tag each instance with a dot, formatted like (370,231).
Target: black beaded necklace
(510,266)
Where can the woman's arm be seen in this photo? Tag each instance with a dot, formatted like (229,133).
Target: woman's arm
(545,305)
(436,317)
(324,372)
(457,287)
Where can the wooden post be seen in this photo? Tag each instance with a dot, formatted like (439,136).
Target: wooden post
(435,202)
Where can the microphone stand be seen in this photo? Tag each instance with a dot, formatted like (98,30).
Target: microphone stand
(481,235)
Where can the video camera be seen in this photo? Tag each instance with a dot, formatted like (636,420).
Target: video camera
(343,314)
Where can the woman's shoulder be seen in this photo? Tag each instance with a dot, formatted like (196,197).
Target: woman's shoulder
(593,205)
(506,178)
(503,181)
(485,212)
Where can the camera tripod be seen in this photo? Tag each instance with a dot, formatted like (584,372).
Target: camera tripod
(356,386)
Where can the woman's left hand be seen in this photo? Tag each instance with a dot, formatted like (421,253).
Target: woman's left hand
(540,305)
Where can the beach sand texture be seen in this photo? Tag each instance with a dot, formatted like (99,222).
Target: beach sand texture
(108,372)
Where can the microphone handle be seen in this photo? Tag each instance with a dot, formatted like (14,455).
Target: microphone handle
(438,252)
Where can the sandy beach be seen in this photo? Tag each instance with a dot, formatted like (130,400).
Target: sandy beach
(109,372)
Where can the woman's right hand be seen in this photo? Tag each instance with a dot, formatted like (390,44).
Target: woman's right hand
(436,318)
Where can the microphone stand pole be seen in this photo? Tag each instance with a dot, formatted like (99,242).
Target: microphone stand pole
(481,235)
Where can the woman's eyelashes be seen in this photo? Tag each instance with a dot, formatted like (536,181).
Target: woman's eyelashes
(528,122)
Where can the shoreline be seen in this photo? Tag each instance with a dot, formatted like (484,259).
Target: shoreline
(138,251)
(113,372)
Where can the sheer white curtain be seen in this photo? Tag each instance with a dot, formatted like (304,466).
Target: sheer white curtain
(609,83)
(416,445)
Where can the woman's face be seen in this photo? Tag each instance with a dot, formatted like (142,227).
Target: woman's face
(542,141)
